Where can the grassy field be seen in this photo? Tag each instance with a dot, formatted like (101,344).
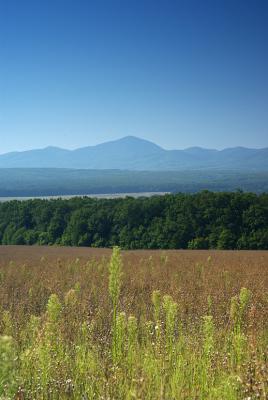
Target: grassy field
(86,324)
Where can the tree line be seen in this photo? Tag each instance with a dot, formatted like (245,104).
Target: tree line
(205,220)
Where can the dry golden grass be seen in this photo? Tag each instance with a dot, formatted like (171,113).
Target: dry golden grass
(188,276)
(200,282)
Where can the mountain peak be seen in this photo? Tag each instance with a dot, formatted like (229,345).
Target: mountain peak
(134,153)
(131,145)
(131,138)
(134,140)
(54,148)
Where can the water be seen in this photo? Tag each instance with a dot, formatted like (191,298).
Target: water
(98,196)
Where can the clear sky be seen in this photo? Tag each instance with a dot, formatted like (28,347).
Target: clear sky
(180,73)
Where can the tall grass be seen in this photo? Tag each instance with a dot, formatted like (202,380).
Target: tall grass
(102,334)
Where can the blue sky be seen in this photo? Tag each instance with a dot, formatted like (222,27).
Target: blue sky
(180,73)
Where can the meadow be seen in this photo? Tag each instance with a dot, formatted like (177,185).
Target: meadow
(81,323)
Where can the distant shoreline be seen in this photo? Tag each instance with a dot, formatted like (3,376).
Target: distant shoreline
(97,195)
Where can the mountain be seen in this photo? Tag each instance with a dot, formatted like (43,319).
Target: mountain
(132,153)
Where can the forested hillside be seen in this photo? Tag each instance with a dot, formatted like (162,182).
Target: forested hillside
(48,181)
(205,220)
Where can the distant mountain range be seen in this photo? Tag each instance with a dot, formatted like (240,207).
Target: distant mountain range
(132,153)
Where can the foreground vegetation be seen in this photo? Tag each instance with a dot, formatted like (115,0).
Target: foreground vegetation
(201,221)
(168,325)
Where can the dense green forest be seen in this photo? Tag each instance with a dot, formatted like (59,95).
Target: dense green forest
(234,220)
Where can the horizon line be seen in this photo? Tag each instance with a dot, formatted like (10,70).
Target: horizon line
(135,137)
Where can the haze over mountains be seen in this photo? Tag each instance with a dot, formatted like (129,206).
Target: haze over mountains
(132,153)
